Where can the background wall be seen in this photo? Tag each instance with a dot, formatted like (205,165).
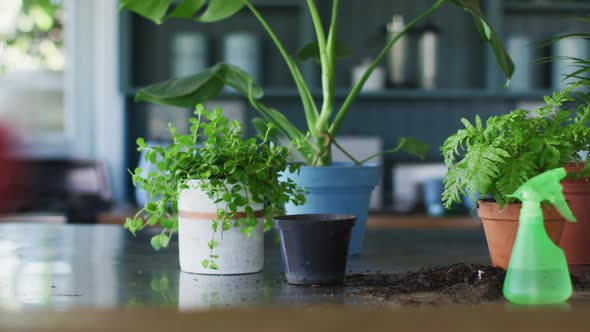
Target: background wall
(469,81)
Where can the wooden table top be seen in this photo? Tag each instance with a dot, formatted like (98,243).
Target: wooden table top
(100,278)
(492,318)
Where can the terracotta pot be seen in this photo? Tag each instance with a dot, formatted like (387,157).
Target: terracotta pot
(574,240)
(500,227)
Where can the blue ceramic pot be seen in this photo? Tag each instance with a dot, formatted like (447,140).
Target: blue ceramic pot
(433,189)
(338,189)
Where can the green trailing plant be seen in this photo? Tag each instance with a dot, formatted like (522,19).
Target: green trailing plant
(235,172)
(495,158)
(324,119)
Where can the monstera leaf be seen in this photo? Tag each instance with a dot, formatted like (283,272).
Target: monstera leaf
(198,10)
(488,35)
(191,90)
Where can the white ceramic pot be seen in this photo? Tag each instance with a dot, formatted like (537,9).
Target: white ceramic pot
(237,253)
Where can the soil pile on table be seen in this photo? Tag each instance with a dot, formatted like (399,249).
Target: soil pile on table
(458,283)
(581,282)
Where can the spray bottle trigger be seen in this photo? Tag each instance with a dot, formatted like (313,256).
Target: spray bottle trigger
(563,208)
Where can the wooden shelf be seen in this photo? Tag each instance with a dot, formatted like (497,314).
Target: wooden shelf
(387,221)
(579,8)
(375,221)
(396,94)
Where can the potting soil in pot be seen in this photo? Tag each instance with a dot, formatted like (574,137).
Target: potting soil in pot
(458,283)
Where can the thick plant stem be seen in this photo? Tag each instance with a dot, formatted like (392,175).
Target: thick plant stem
(311,112)
(328,80)
(359,85)
(324,157)
(324,60)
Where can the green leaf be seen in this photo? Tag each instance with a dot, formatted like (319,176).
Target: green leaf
(156,10)
(236,189)
(487,31)
(260,125)
(239,80)
(233,207)
(164,240)
(129,224)
(168,223)
(226,226)
(205,263)
(312,51)
(151,9)
(151,207)
(407,144)
(153,157)
(488,35)
(141,143)
(186,9)
(249,210)
(198,88)
(220,9)
(212,244)
(284,125)
(155,242)
(153,220)
(183,92)
(240,200)
(138,223)
(514,173)
(413,146)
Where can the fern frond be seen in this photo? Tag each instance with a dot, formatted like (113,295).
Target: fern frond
(514,173)
(454,187)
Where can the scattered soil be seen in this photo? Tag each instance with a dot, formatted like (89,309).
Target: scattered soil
(458,283)
(581,282)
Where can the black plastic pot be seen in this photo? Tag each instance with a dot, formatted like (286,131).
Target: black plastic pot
(315,247)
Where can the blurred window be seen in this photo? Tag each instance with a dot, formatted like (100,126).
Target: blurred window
(32,65)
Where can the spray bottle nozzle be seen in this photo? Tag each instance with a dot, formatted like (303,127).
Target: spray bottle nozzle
(545,187)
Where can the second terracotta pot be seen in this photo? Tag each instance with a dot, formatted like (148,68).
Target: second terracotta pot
(575,239)
(501,225)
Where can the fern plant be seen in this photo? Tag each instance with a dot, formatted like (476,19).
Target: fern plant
(495,158)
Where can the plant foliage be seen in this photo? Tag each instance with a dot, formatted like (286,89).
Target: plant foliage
(580,67)
(495,158)
(323,121)
(236,173)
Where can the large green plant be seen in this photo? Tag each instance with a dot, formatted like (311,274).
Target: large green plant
(323,122)
(236,173)
(494,159)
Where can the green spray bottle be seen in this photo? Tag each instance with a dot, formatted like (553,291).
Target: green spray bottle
(538,271)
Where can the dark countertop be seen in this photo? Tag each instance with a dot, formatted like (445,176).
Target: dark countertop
(49,266)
